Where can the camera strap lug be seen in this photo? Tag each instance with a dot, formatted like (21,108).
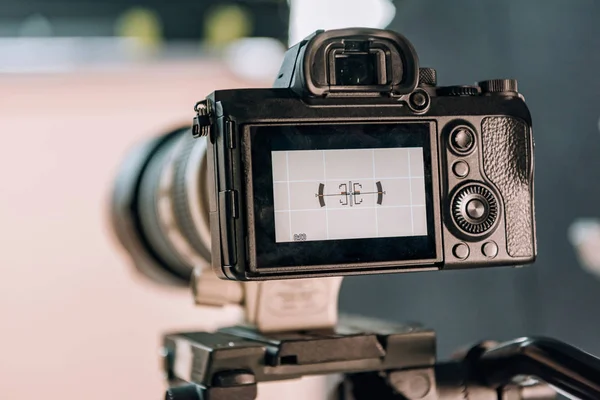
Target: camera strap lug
(202,121)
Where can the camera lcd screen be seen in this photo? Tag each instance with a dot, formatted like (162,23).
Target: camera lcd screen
(348,194)
(340,194)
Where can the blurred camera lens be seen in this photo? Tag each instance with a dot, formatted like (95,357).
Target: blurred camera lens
(160,207)
(355,69)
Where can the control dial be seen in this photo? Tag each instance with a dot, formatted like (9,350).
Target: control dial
(474,209)
(427,76)
(458,91)
(498,86)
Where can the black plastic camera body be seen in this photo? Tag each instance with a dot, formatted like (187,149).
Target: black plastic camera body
(356,162)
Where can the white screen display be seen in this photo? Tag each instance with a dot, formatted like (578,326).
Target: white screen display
(348,194)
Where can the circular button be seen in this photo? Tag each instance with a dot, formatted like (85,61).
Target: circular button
(489,249)
(460,169)
(476,209)
(462,139)
(461,251)
(419,100)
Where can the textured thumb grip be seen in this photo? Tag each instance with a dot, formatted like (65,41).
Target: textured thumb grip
(508,164)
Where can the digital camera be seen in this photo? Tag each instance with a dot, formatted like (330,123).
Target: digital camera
(354,162)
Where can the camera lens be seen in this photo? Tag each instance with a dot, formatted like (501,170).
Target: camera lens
(160,211)
(355,69)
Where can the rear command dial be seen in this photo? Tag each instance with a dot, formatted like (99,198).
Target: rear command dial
(474,209)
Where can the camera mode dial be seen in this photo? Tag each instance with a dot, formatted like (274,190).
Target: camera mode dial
(498,86)
(474,209)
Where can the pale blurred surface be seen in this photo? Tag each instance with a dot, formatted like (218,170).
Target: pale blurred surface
(76,321)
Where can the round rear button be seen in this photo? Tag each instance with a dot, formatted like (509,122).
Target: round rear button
(476,209)
(461,251)
(490,249)
(462,140)
(460,169)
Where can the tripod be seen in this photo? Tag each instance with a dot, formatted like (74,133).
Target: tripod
(378,360)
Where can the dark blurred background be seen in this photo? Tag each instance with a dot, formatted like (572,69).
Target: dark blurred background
(81,81)
(552,48)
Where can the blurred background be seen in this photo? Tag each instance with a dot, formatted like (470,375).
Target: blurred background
(83,80)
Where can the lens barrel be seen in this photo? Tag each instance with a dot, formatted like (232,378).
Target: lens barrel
(160,207)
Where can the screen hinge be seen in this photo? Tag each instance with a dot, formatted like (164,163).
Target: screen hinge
(228,211)
(229,134)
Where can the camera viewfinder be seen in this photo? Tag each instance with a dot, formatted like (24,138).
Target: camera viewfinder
(358,64)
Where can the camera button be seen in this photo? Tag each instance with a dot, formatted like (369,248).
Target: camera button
(460,169)
(419,101)
(476,209)
(462,139)
(489,249)
(461,251)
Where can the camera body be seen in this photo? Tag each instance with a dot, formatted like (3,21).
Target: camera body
(356,162)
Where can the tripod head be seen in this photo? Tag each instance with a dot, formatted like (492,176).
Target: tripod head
(381,361)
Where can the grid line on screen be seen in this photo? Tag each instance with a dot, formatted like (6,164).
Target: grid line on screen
(287,172)
(412,218)
(362,208)
(326,210)
(374,179)
(370,177)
